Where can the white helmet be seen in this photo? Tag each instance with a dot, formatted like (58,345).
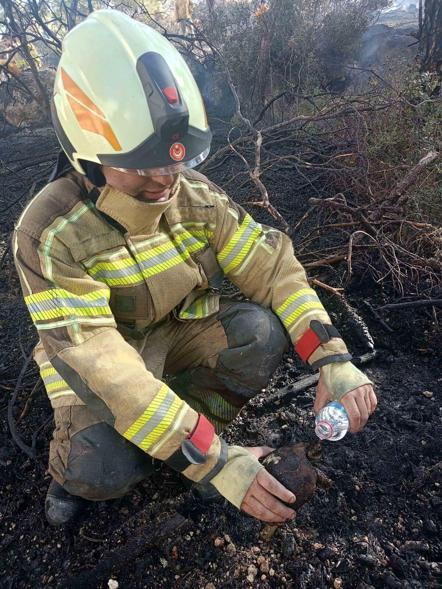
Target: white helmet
(124,97)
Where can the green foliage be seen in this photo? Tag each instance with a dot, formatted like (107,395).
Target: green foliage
(298,46)
(396,138)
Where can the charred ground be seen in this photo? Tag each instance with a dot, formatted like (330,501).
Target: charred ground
(377,525)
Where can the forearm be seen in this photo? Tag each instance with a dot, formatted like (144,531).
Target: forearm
(111,378)
(261,262)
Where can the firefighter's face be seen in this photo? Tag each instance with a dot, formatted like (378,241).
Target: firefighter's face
(145,188)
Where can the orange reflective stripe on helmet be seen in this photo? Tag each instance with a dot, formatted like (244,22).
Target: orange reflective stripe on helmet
(89,116)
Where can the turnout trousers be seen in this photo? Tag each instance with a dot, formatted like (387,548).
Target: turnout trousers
(215,364)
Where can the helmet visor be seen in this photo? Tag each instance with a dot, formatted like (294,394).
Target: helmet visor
(166,170)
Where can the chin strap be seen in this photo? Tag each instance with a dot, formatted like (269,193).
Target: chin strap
(319,333)
(62,166)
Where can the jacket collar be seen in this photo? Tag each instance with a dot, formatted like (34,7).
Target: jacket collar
(137,217)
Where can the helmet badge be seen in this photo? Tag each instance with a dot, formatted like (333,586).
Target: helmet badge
(177,151)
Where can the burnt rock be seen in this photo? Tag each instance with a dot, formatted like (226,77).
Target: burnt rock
(292,468)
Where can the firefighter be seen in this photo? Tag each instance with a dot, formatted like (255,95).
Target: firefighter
(121,258)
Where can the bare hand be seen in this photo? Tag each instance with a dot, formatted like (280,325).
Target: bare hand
(264,498)
(359,403)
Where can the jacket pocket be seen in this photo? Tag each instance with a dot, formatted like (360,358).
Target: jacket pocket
(103,242)
(130,298)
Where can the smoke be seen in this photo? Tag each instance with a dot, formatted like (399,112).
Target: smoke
(401,5)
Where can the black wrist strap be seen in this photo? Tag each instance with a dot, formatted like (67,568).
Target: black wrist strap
(331,359)
(218,466)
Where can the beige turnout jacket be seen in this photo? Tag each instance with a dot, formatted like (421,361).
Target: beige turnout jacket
(96,267)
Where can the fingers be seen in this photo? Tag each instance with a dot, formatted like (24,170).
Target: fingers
(278,509)
(274,487)
(359,405)
(262,499)
(255,508)
(373,400)
(362,403)
(259,451)
(352,409)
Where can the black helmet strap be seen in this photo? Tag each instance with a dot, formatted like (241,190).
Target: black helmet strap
(93,173)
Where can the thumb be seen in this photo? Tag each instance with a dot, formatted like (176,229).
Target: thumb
(259,451)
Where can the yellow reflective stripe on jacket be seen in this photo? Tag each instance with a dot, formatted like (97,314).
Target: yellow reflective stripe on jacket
(302,301)
(240,244)
(155,420)
(162,258)
(203,307)
(201,231)
(194,311)
(119,272)
(55,385)
(124,270)
(75,321)
(58,303)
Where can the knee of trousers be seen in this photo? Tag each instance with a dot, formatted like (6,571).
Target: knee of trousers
(103,465)
(257,341)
